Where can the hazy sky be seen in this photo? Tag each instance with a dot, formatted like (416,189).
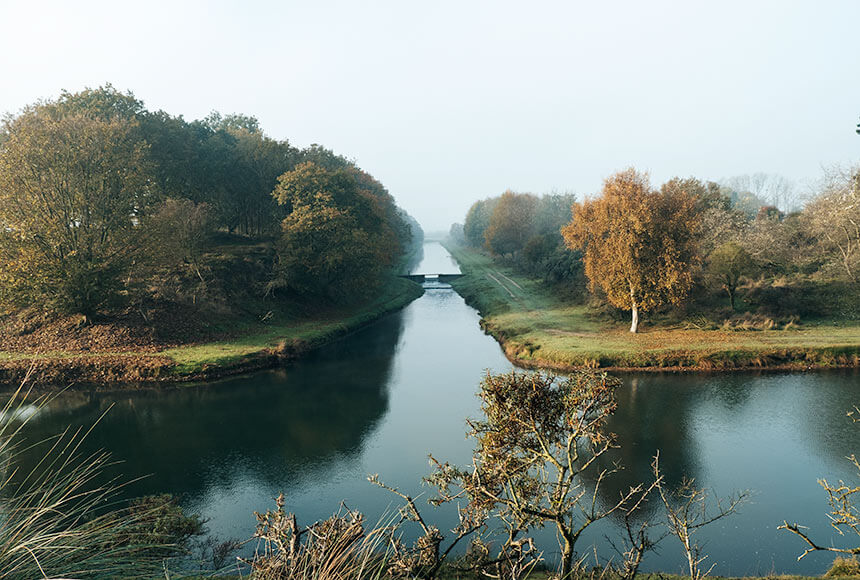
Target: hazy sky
(449,102)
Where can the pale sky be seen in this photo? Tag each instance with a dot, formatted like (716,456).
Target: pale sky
(447,102)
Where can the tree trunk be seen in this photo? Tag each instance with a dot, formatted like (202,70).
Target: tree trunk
(634,324)
(634,308)
(566,559)
(731,292)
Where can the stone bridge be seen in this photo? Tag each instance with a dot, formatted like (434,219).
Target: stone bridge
(421,278)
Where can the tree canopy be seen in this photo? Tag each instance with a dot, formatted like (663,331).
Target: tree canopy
(509,229)
(336,236)
(538,449)
(72,187)
(638,245)
(99,197)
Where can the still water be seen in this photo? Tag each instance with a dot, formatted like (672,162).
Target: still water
(383,398)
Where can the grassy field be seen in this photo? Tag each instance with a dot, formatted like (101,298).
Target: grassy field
(538,329)
(253,344)
(297,332)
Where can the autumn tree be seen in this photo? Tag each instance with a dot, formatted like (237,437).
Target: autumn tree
(538,444)
(511,223)
(720,222)
(337,237)
(177,232)
(638,245)
(727,265)
(72,187)
(477,221)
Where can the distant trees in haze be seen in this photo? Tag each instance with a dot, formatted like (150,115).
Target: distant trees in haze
(525,229)
(690,238)
(834,218)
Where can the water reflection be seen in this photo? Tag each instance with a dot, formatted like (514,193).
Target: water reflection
(774,434)
(382,399)
(279,426)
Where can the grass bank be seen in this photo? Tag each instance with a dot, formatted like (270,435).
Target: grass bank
(540,330)
(254,343)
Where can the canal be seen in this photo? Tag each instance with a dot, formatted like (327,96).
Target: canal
(382,399)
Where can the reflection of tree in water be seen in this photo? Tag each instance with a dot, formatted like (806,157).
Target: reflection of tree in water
(659,412)
(652,415)
(822,418)
(282,425)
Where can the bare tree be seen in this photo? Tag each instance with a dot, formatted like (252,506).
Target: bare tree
(834,216)
(538,445)
(757,189)
(844,515)
(687,510)
(425,558)
(637,538)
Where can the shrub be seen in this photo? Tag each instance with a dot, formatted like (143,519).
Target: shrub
(844,567)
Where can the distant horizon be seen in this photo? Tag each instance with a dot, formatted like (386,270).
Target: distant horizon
(459,102)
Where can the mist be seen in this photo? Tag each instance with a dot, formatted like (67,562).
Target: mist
(457,102)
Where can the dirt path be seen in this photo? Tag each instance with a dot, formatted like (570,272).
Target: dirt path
(499,282)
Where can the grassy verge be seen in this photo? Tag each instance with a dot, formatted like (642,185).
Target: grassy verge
(293,336)
(538,329)
(254,344)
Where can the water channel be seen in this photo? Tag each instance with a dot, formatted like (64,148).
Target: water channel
(383,398)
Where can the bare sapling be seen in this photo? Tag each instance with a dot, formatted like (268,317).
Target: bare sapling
(688,509)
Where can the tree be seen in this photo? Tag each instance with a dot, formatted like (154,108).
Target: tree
(638,245)
(834,217)
(728,264)
(749,192)
(687,511)
(72,187)
(178,231)
(720,222)
(510,225)
(538,445)
(477,221)
(336,233)
(844,514)
(708,195)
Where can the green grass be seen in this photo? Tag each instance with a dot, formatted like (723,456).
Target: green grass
(253,342)
(540,329)
(307,332)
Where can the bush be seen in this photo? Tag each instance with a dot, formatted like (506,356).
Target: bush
(805,298)
(844,567)
(160,521)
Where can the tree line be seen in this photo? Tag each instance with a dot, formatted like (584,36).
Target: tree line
(641,248)
(100,196)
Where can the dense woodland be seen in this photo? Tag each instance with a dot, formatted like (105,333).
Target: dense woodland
(698,252)
(109,208)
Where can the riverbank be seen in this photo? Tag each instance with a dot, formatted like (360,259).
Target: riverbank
(537,329)
(255,344)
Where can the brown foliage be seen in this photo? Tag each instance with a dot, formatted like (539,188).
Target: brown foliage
(510,225)
(638,245)
(540,441)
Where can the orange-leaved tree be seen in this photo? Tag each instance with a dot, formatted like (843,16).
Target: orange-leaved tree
(638,245)
(510,225)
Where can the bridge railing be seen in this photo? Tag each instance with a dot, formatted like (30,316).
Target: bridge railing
(420,278)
